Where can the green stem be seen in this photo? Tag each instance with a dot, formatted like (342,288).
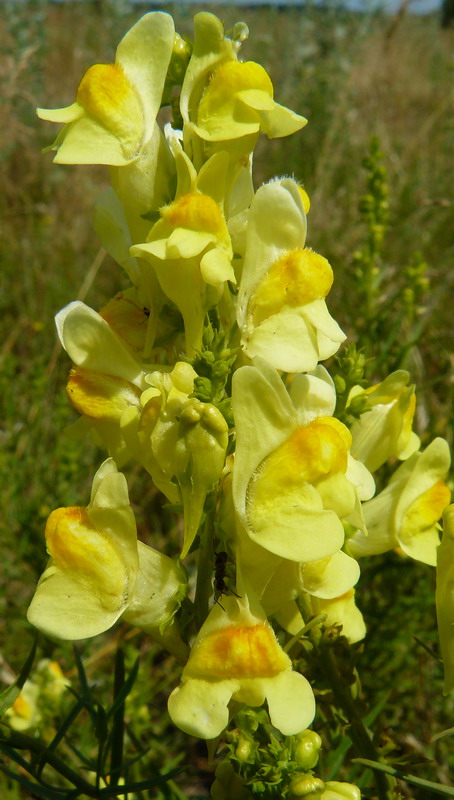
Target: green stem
(204,586)
(438,788)
(358,732)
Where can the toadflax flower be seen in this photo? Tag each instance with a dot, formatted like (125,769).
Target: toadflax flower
(406,513)
(341,611)
(98,571)
(278,583)
(24,714)
(113,120)
(189,247)
(236,657)
(114,114)
(106,378)
(282,314)
(226,100)
(294,480)
(93,564)
(385,429)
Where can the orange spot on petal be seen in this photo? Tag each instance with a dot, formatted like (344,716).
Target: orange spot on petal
(238,651)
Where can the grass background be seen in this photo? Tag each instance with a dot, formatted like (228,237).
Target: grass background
(354,77)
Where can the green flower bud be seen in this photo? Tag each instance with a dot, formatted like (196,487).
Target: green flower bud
(228,785)
(244,750)
(338,790)
(203,439)
(340,384)
(307,786)
(181,53)
(306,749)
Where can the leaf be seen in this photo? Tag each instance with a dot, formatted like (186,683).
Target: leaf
(447,732)
(118,726)
(436,788)
(64,727)
(11,694)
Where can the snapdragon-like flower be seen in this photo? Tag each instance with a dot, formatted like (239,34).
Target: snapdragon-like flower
(406,513)
(189,248)
(228,101)
(24,714)
(385,429)
(99,571)
(341,611)
(239,101)
(93,565)
(282,314)
(40,697)
(278,582)
(236,657)
(445,597)
(179,440)
(114,114)
(106,378)
(294,480)
(325,586)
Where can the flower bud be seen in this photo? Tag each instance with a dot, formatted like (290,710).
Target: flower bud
(181,53)
(306,749)
(228,784)
(307,786)
(336,790)
(204,438)
(385,430)
(244,750)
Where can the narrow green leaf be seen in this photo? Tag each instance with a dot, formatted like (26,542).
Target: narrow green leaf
(442,734)
(9,695)
(81,671)
(118,727)
(61,732)
(140,786)
(124,690)
(34,789)
(437,788)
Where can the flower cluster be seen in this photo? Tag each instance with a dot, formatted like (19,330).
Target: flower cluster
(206,371)
(39,701)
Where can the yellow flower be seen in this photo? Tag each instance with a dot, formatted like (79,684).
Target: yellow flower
(224,99)
(225,103)
(325,585)
(238,101)
(93,562)
(189,248)
(342,611)
(293,479)
(236,657)
(106,378)
(98,570)
(406,513)
(24,714)
(282,314)
(115,110)
(385,429)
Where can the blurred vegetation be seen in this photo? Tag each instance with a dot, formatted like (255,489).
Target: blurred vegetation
(357,78)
